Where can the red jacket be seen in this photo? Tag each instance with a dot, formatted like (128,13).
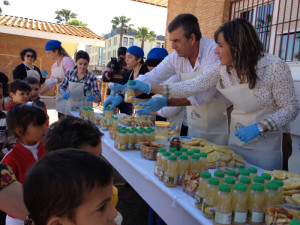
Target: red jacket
(8,107)
(20,159)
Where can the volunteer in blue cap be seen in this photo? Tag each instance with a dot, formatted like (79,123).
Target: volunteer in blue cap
(63,63)
(135,64)
(155,56)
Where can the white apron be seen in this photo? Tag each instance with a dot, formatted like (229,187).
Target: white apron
(263,152)
(209,121)
(33,73)
(56,73)
(77,98)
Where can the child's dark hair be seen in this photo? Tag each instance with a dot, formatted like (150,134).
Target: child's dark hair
(153,62)
(31,80)
(18,85)
(71,132)
(82,55)
(21,115)
(60,181)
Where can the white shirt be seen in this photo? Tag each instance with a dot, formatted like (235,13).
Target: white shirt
(34,149)
(172,65)
(274,89)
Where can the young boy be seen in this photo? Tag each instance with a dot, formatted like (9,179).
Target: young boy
(35,95)
(19,91)
(69,187)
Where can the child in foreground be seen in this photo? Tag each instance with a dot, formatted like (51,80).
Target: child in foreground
(79,191)
(35,95)
(27,123)
(19,91)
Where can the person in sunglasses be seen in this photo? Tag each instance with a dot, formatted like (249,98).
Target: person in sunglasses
(27,69)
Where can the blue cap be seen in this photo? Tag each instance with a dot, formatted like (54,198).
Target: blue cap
(157,53)
(53,44)
(136,51)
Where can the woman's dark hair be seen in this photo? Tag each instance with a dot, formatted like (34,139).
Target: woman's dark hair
(137,57)
(78,132)
(245,47)
(18,85)
(189,24)
(82,55)
(24,51)
(60,181)
(153,62)
(21,115)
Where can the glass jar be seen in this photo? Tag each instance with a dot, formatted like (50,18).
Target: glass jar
(202,189)
(161,132)
(222,206)
(219,175)
(129,94)
(170,177)
(182,168)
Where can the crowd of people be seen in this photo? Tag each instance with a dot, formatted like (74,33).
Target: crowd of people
(226,90)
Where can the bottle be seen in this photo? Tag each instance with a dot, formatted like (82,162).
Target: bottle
(280,197)
(108,119)
(147,135)
(202,189)
(266,177)
(195,164)
(122,141)
(183,150)
(182,168)
(253,172)
(172,151)
(247,182)
(177,153)
(189,154)
(258,180)
(175,140)
(271,195)
(230,173)
(239,204)
(203,162)
(222,206)
(158,162)
(130,140)
(209,199)
(129,94)
(117,139)
(196,151)
(219,175)
(256,205)
(170,177)
(139,137)
(230,181)
(244,173)
(164,165)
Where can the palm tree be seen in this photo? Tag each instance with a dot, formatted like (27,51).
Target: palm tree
(143,34)
(65,16)
(122,23)
(77,23)
(4,3)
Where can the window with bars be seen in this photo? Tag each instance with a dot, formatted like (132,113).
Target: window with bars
(125,41)
(277,23)
(130,42)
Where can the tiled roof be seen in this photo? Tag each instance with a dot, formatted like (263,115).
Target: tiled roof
(161,3)
(37,25)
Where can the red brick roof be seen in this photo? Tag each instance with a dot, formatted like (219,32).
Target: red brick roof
(161,3)
(37,25)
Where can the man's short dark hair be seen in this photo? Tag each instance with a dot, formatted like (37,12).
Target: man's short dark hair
(60,181)
(18,85)
(122,51)
(189,23)
(31,80)
(71,132)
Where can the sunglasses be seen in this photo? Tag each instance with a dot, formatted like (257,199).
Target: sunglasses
(32,56)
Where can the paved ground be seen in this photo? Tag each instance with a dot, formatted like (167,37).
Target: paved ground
(132,207)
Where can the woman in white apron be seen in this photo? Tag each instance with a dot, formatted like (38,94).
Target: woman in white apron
(135,63)
(27,69)
(77,83)
(261,88)
(63,64)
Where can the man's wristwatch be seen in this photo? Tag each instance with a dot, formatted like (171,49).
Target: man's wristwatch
(261,130)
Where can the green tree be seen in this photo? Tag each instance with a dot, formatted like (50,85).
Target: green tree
(144,34)
(4,3)
(64,16)
(122,23)
(76,23)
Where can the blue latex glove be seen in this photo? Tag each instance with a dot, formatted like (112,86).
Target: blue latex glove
(140,86)
(248,133)
(65,95)
(91,98)
(44,74)
(113,100)
(142,112)
(118,87)
(155,104)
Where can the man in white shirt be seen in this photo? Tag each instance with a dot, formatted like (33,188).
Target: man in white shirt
(193,55)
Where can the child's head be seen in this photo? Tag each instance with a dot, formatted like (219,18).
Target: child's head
(19,91)
(35,87)
(70,187)
(27,123)
(72,132)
